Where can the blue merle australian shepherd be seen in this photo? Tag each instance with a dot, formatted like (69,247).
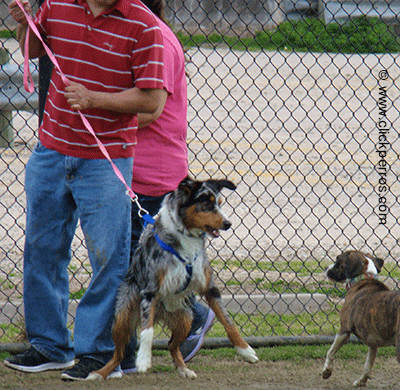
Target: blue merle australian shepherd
(169,266)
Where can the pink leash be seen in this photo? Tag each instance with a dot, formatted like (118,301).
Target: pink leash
(28,84)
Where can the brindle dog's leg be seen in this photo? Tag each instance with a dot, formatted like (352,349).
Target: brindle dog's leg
(362,381)
(340,340)
(243,349)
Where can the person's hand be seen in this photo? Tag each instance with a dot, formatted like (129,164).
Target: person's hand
(78,96)
(17,14)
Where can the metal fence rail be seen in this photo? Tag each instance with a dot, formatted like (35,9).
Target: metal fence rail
(309,136)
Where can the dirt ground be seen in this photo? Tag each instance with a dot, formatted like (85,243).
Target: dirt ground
(223,373)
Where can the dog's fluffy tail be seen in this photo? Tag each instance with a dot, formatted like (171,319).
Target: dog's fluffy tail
(127,301)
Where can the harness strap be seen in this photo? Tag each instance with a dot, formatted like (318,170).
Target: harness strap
(188,267)
(148,219)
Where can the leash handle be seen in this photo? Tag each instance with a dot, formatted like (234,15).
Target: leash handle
(28,84)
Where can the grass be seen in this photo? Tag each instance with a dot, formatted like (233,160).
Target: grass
(297,287)
(359,35)
(7,34)
(298,353)
(299,267)
(261,325)
(77,294)
(294,353)
(9,333)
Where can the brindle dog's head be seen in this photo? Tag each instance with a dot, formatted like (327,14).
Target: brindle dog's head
(353,263)
(198,205)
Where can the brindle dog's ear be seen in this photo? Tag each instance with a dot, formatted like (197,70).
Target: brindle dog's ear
(377,261)
(219,184)
(378,264)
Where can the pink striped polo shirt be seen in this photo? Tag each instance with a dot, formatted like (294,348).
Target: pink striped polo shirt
(119,49)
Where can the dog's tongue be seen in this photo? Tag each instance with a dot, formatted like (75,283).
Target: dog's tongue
(214,233)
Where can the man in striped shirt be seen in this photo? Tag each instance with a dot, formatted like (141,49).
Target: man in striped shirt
(111,52)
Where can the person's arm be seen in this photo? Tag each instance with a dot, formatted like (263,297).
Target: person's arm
(36,48)
(130,101)
(146,119)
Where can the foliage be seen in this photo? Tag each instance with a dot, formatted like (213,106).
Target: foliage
(7,34)
(357,36)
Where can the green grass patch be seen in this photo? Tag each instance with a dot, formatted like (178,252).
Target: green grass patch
(9,333)
(281,286)
(271,325)
(298,353)
(77,294)
(299,267)
(359,35)
(7,34)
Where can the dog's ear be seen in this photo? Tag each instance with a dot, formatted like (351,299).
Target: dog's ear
(187,185)
(219,184)
(377,261)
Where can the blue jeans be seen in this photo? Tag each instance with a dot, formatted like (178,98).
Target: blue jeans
(60,190)
(152,205)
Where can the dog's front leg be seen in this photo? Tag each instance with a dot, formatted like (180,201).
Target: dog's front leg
(362,381)
(243,349)
(122,334)
(147,311)
(180,331)
(340,340)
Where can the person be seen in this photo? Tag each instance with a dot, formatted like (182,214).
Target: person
(161,162)
(112,54)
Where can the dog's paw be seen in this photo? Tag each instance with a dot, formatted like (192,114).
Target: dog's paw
(143,365)
(362,382)
(247,354)
(94,376)
(143,361)
(143,358)
(184,372)
(326,373)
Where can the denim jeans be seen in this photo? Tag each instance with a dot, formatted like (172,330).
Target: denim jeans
(60,191)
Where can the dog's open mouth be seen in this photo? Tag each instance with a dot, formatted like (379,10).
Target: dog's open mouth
(212,232)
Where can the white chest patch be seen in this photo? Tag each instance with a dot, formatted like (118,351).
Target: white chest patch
(176,278)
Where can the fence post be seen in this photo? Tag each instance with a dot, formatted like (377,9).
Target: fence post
(6,130)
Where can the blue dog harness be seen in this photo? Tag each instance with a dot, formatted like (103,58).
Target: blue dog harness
(189,268)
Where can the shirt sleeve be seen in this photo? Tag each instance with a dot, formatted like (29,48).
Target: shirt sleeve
(148,57)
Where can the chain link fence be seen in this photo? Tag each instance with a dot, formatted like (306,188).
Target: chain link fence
(297,102)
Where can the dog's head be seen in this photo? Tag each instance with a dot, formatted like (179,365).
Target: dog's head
(352,263)
(197,206)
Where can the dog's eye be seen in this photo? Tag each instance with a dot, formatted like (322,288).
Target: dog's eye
(207,206)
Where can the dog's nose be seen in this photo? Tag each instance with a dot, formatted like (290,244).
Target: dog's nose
(226,225)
